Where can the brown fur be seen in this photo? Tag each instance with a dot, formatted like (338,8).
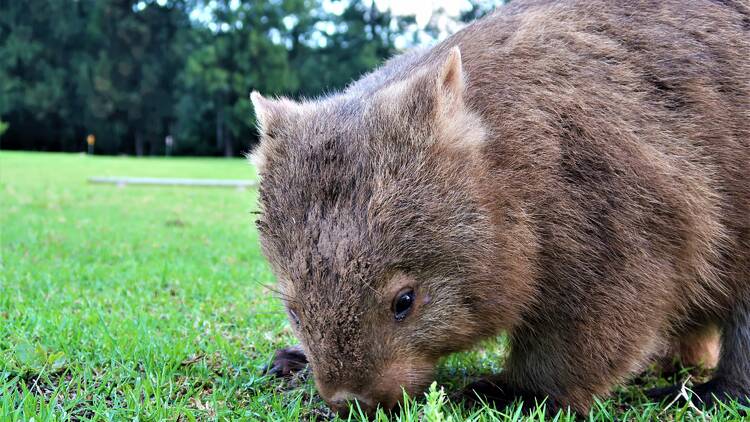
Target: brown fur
(573,173)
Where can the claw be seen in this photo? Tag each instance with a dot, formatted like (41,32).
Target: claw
(286,362)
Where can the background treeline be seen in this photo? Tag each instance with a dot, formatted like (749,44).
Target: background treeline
(132,72)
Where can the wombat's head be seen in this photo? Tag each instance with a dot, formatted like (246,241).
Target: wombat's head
(374,228)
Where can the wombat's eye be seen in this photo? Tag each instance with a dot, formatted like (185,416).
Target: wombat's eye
(294,316)
(402,304)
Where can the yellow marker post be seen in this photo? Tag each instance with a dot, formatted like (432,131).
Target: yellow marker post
(90,140)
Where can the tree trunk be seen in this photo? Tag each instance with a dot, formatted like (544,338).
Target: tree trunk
(139,144)
(219,128)
(228,147)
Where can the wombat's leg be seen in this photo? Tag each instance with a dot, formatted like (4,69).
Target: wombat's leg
(496,391)
(572,360)
(533,370)
(287,361)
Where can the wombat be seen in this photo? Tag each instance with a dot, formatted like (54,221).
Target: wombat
(575,174)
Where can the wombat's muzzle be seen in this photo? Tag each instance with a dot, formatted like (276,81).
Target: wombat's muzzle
(341,400)
(384,390)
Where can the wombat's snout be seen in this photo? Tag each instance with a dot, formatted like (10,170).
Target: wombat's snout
(341,399)
(385,391)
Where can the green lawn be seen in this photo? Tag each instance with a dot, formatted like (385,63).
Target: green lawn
(147,303)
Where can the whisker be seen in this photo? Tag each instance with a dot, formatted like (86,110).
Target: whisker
(274,290)
(280,294)
(362,279)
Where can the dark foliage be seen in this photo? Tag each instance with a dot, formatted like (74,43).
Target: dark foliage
(132,72)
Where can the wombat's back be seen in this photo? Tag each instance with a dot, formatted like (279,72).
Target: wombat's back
(627,124)
(624,127)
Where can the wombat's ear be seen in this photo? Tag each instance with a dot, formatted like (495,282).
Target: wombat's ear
(458,126)
(271,116)
(444,84)
(451,79)
(435,93)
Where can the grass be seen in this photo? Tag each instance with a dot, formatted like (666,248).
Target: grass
(145,303)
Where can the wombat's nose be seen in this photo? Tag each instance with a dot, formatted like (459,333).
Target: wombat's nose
(340,400)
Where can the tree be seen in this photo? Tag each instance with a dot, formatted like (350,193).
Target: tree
(40,40)
(350,45)
(238,55)
(68,68)
(132,72)
(130,83)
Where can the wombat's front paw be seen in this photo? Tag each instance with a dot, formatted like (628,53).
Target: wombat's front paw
(487,390)
(287,361)
(496,392)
